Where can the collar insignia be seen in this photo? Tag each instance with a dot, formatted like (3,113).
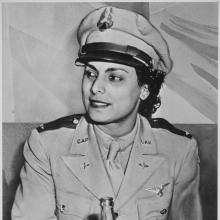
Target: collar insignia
(85,165)
(80,141)
(143,165)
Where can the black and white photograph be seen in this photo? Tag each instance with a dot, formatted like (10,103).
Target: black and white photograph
(109,110)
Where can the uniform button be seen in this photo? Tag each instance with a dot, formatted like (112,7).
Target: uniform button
(62,208)
(42,126)
(75,121)
(163,212)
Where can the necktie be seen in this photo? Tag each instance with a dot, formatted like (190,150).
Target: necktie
(115,170)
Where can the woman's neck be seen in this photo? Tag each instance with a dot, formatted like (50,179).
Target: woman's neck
(118,129)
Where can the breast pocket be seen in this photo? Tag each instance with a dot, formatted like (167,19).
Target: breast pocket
(153,202)
(71,206)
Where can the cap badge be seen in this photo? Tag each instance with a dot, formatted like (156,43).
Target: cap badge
(105,21)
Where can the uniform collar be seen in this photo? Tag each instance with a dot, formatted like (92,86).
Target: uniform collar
(148,143)
(142,129)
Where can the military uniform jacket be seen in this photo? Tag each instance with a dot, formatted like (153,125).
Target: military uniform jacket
(64,176)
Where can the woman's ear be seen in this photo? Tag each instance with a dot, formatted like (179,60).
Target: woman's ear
(144,92)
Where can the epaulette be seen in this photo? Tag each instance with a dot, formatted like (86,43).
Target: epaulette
(68,122)
(162,123)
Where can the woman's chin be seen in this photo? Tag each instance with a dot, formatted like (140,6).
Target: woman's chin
(100,119)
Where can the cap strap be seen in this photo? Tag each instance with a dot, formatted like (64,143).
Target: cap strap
(91,51)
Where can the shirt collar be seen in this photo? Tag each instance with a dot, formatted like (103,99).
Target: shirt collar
(124,141)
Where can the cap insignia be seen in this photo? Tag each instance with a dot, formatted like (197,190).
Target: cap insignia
(105,21)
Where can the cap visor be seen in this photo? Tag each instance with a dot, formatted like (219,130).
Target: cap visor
(109,57)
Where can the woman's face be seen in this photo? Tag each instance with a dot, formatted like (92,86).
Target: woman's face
(110,92)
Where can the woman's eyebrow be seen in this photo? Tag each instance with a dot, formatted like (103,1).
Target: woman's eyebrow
(116,69)
(91,66)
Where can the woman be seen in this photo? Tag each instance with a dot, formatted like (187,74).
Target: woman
(116,149)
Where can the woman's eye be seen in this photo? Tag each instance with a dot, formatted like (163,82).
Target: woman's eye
(90,74)
(115,78)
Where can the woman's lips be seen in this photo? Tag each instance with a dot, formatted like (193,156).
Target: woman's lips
(98,103)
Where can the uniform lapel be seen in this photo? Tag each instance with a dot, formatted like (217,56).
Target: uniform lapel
(143,162)
(85,162)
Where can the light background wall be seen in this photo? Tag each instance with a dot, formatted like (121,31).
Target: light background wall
(41,83)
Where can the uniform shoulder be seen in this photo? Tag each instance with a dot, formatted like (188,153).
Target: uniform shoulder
(53,134)
(70,121)
(171,141)
(164,124)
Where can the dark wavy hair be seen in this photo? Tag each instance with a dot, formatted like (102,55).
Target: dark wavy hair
(154,80)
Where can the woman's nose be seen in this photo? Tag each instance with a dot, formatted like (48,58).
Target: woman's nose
(98,86)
